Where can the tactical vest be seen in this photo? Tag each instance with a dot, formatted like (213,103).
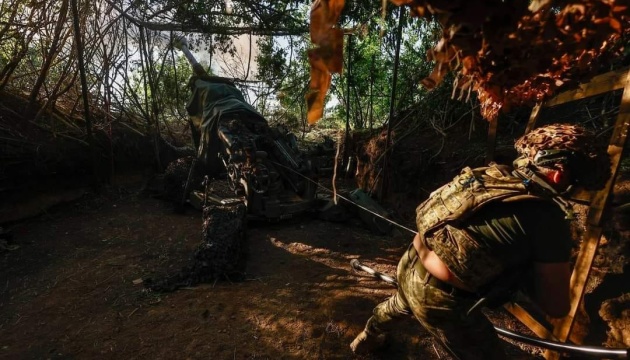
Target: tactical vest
(440,217)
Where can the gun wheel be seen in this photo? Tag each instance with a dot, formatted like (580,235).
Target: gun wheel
(175,178)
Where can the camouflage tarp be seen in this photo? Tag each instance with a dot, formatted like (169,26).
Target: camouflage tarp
(212,102)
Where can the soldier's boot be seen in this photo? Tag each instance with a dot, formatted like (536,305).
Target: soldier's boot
(367,342)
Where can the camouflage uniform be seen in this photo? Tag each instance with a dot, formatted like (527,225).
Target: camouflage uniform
(488,225)
(517,234)
(442,314)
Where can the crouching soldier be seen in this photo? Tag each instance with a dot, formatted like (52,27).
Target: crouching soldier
(485,229)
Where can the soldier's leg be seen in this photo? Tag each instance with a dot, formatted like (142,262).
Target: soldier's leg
(386,313)
(382,320)
(444,316)
(465,337)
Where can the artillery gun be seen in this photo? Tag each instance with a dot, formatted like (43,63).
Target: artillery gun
(243,169)
(261,165)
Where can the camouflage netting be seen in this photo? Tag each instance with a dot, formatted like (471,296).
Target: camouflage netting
(221,254)
(520,52)
(511,53)
(617,314)
(589,163)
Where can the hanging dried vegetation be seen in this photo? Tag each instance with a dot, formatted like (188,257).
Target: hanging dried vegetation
(509,52)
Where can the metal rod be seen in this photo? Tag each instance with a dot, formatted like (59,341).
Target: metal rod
(593,351)
(350,201)
(356,264)
(181,43)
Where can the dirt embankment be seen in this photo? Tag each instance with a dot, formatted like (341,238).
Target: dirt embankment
(69,289)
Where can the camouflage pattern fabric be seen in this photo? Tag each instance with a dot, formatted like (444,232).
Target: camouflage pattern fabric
(439,217)
(557,137)
(443,315)
(588,161)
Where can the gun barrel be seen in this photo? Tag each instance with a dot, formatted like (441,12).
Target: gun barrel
(181,43)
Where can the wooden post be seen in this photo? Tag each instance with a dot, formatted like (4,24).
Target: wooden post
(492,132)
(492,140)
(84,94)
(346,152)
(619,79)
(590,244)
(533,117)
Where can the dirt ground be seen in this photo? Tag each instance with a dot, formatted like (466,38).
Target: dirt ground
(69,288)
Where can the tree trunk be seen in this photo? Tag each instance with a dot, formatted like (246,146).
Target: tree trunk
(392,106)
(19,53)
(84,92)
(152,119)
(52,52)
(10,20)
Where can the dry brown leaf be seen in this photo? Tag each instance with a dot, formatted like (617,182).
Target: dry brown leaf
(320,82)
(332,51)
(327,56)
(514,52)
(435,77)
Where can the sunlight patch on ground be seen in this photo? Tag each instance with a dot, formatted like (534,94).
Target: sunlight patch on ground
(315,254)
(362,283)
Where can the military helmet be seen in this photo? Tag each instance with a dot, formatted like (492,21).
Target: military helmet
(570,145)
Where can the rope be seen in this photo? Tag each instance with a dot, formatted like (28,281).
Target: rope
(346,199)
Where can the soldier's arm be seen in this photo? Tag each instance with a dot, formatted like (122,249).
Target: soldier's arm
(551,287)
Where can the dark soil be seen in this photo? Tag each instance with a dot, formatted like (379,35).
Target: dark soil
(71,288)
(71,273)
(68,290)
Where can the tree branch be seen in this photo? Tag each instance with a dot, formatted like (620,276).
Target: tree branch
(212,29)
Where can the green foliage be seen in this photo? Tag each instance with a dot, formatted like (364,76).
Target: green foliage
(171,91)
(272,61)
(283,71)
(368,67)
